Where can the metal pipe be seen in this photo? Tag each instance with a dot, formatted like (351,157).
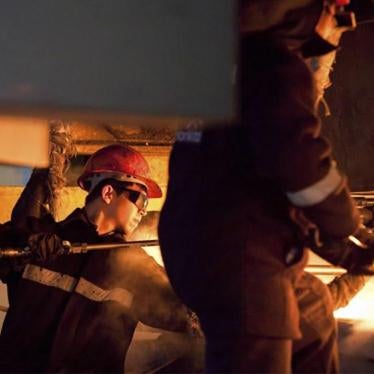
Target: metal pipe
(324,269)
(84,247)
(79,248)
(14,252)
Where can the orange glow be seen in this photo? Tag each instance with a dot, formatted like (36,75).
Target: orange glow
(361,306)
(155,253)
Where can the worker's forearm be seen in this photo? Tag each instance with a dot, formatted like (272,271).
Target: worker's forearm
(345,287)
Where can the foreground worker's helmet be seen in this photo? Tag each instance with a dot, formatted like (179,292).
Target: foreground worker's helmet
(121,163)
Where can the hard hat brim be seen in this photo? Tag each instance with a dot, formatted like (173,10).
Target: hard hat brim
(153,189)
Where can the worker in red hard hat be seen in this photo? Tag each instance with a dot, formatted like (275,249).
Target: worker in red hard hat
(128,172)
(120,163)
(78,313)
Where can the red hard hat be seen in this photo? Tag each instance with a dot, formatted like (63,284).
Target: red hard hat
(118,162)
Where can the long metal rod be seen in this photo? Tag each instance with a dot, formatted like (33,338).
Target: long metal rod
(324,269)
(83,247)
(79,248)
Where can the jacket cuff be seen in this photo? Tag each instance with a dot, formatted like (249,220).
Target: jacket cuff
(317,192)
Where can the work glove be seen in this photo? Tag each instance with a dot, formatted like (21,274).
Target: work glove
(46,246)
(355,253)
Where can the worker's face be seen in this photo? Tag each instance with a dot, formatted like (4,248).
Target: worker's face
(127,208)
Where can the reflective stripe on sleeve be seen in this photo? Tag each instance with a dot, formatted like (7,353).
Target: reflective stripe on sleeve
(317,192)
(49,278)
(82,286)
(95,293)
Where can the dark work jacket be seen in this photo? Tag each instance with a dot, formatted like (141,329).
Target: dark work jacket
(79,312)
(227,214)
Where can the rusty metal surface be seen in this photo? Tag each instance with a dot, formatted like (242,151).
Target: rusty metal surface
(88,134)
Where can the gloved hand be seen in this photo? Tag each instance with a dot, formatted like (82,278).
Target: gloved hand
(46,246)
(356,253)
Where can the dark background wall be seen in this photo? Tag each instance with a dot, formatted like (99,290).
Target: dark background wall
(351,100)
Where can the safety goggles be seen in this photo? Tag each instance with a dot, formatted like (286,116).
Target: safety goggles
(138,198)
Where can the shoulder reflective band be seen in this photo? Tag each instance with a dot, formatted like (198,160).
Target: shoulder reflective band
(82,286)
(317,192)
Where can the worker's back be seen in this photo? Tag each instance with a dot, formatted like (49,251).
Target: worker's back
(227,235)
(222,213)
